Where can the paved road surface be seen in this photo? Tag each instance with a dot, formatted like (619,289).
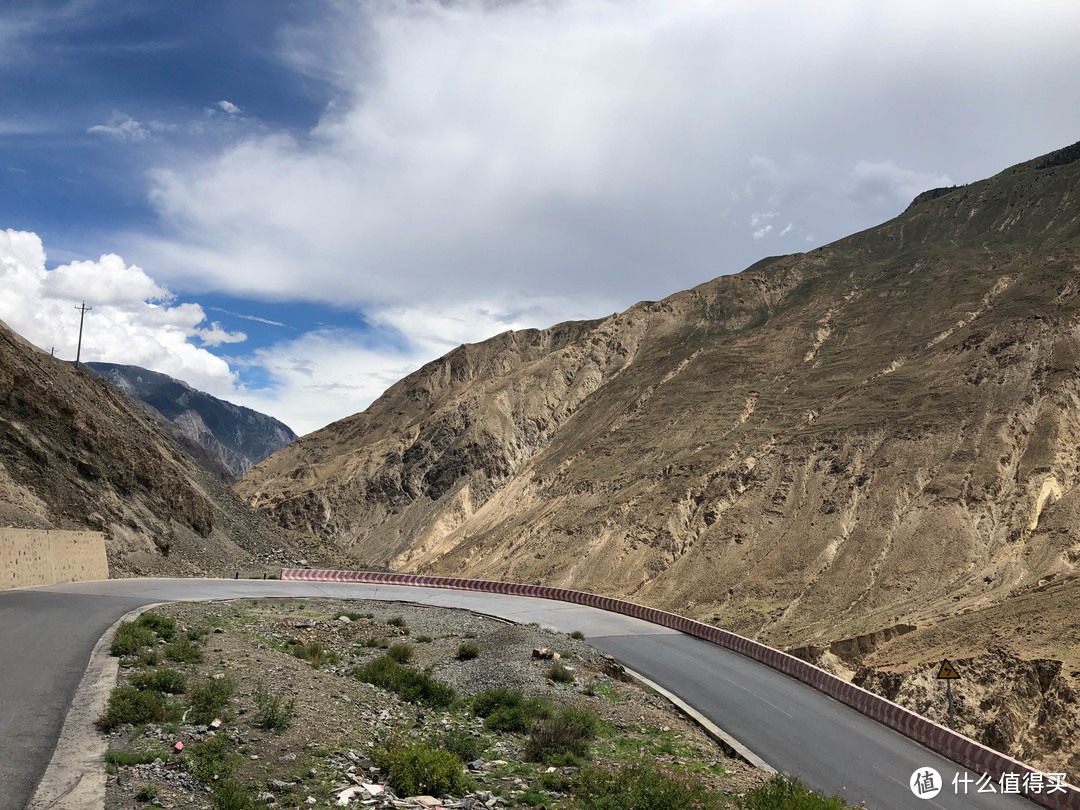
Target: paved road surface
(46,635)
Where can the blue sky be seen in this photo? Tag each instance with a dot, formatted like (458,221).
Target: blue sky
(292,205)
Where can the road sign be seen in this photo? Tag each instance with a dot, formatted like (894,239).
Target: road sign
(948,671)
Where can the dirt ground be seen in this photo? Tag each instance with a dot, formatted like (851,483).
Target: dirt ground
(340,723)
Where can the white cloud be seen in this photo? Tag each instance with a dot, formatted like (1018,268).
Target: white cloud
(122,128)
(132,320)
(229,107)
(786,230)
(760,234)
(216,335)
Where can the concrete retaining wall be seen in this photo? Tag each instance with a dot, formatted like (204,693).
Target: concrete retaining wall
(31,557)
(956,747)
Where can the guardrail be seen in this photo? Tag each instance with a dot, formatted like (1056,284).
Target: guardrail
(950,744)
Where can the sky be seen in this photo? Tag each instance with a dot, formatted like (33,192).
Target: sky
(291,205)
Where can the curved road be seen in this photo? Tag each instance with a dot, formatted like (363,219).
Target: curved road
(47,634)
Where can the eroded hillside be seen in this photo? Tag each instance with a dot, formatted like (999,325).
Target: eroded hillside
(76,454)
(878,434)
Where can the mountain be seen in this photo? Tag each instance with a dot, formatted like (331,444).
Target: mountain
(236,438)
(831,451)
(77,454)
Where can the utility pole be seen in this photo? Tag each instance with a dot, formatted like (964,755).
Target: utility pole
(82,315)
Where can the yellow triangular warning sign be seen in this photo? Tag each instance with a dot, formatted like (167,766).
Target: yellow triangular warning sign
(948,671)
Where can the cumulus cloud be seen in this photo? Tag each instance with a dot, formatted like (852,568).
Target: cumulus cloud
(229,107)
(133,319)
(216,335)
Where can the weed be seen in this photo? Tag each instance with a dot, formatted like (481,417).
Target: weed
(507,710)
(130,705)
(402,653)
(184,651)
(312,652)
(556,781)
(563,739)
(149,658)
(146,793)
(373,643)
(196,633)
(467,652)
(532,798)
(130,638)
(274,712)
(418,769)
(349,615)
(578,635)
(560,674)
(397,621)
(781,793)
(410,685)
(208,700)
(168,681)
(642,784)
(128,759)
(424,639)
(212,759)
(230,796)
(470,635)
(461,744)
(162,625)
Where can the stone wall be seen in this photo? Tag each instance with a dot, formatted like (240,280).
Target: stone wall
(31,557)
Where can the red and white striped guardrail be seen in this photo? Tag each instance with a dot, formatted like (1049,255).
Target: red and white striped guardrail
(953,746)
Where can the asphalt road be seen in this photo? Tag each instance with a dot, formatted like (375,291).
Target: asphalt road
(47,634)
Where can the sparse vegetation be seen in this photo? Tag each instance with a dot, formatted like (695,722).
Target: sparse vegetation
(562,739)
(130,638)
(274,712)
(560,673)
(462,744)
(420,769)
(781,793)
(467,652)
(136,706)
(578,635)
(209,699)
(213,759)
(410,685)
(183,650)
(402,653)
(164,627)
(642,785)
(168,681)
(507,710)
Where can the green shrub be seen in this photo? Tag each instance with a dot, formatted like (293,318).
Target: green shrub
(312,652)
(130,705)
(130,638)
(556,781)
(146,793)
(149,658)
(560,674)
(184,651)
(230,796)
(402,653)
(467,652)
(424,639)
(461,744)
(532,798)
(168,681)
(642,785)
(350,615)
(563,739)
(578,635)
(397,621)
(274,712)
(507,710)
(410,685)
(162,625)
(208,700)
(781,793)
(211,760)
(375,642)
(420,769)
(128,759)
(197,632)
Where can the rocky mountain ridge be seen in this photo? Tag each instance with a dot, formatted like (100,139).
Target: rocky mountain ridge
(234,438)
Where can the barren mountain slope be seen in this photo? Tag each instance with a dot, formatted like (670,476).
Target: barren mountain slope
(880,431)
(76,454)
(233,438)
